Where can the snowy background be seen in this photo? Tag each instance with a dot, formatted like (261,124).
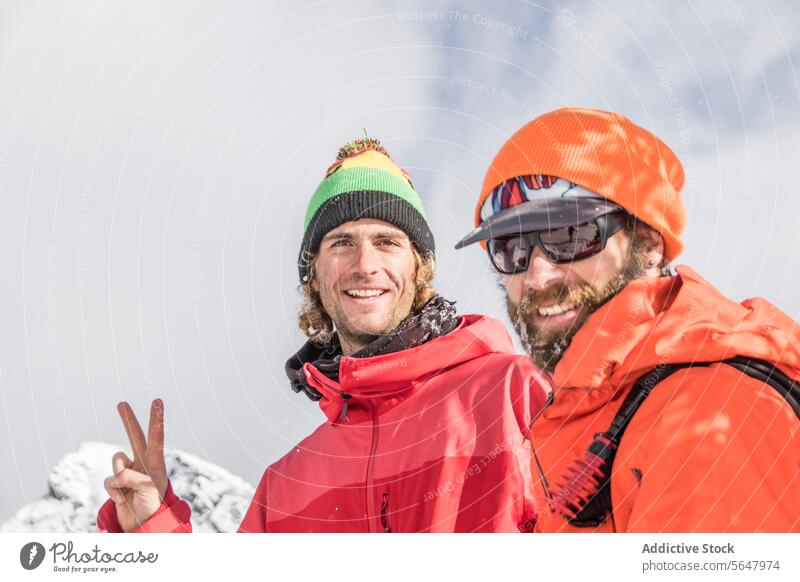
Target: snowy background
(156,159)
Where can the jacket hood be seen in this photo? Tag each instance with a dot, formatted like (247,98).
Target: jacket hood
(673,320)
(391,374)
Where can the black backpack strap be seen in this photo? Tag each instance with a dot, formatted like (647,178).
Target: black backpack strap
(584,497)
(769,374)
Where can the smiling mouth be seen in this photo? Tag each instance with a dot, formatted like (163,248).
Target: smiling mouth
(553,310)
(365,293)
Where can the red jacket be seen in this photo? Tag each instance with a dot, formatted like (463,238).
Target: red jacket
(433,439)
(711,449)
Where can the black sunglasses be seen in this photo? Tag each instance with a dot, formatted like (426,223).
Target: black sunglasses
(512,254)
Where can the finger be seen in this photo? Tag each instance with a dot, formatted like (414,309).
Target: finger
(134,430)
(115,493)
(130,479)
(119,462)
(155,432)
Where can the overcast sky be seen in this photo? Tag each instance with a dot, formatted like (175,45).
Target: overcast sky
(156,159)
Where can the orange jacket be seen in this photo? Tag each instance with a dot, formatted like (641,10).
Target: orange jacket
(711,449)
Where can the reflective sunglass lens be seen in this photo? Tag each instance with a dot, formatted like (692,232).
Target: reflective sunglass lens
(509,255)
(572,243)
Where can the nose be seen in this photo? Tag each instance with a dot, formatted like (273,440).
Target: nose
(542,273)
(366,260)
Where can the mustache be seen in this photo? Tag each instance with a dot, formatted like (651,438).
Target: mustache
(532,300)
(366,281)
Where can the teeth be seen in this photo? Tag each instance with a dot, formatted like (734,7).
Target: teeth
(555,309)
(364,292)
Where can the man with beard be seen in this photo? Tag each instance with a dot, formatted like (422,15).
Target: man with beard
(675,408)
(427,411)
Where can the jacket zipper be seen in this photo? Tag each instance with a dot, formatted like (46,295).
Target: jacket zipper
(345,405)
(370,468)
(384,516)
(542,478)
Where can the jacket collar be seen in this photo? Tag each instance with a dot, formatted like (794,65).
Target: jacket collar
(395,374)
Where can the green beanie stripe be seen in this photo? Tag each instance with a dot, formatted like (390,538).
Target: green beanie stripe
(363,178)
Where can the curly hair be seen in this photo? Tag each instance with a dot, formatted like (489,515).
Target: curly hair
(317,325)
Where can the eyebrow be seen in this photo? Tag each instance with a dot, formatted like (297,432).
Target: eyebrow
(338,236)
(390,234)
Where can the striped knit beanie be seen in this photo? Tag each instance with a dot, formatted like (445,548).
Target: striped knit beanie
(364,182)
(605,154)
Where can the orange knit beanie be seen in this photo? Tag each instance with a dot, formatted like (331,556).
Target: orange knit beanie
(605,153)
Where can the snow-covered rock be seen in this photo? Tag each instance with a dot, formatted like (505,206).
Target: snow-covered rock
(75,492)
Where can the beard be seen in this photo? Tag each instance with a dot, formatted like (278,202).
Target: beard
(545,347)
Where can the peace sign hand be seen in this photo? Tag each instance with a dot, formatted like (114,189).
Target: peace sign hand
(138,486)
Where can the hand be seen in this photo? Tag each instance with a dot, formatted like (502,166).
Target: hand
(138,486)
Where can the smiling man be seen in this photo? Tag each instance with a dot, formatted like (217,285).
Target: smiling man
(427,411)
(364,308)
(675,408)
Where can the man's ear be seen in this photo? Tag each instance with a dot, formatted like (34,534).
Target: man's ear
(654,250)
(312,277)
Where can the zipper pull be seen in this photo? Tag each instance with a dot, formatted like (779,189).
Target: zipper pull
(384,517)
(346,397)
(550,397)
